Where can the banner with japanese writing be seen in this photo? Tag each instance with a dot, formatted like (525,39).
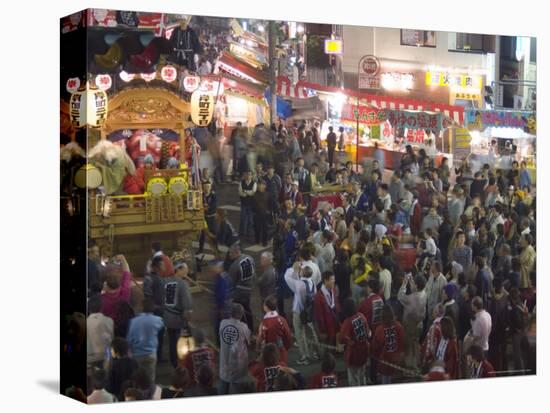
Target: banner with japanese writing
(482,119)
(397,118)
(415,120)
(461,144)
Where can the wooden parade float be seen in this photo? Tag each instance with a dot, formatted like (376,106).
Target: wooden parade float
(170,210)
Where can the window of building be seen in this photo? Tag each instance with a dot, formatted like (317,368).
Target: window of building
(467,41)
(418,38)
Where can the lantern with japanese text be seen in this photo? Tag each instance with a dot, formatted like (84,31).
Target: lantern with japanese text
(88,106)
(191,83)
(169,73)
(202,108)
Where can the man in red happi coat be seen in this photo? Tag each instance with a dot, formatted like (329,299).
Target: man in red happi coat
(326,309)
(274,329)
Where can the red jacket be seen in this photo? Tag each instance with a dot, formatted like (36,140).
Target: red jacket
(436,375)
(323,381)
(264,376)
(274,329)
(429,346)
(371,308)
(416,219)
(388,345)
(450,357)
(326,318)
(197,358)
(355,335)
(483,371)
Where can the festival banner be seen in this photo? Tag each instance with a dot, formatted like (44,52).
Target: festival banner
(481,119)
(397,118)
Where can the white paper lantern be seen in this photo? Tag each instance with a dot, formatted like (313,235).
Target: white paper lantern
(88,107)
(169,73)
(202,108)
(191,83)
(103,82)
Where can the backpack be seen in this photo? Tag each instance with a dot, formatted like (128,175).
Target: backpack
(306,316)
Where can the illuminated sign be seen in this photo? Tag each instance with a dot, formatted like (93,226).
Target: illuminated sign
(456,80)
(202,108)
(334,46)
(369,67)
(396,81)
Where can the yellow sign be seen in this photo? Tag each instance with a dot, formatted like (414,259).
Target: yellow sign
(467,96)
(454,80)
(334,46)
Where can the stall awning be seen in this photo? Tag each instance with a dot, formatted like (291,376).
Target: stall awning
(230,64)
(456,113)
(286,89)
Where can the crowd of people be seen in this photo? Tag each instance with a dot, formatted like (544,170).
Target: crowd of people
(422,273)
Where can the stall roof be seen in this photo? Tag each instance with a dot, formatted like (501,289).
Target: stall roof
(456,113)
(507,133)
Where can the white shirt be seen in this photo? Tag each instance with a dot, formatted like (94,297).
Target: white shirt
(481,329)
(385,281)
(297,285)
(387,202)
(327,254)
(100,333)
(430,246)
(101,396)
(316,276)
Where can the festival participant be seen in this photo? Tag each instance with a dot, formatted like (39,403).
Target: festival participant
(388,345)
(241,276)
(117,286)
(433,336)
(99,394)
(447,348)
(266,369)
(201,355)
(373,304)
(327,377)
(234,341)
(479,367)
(274,329)
(355,335)
(326,309)
(178,307)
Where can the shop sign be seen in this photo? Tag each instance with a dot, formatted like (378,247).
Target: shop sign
(397,118)
(461,144)
(397,81)
(467,96)
(169,73)
(333,46)
(453,80)
(256,59)
(414,120)
(369,69)
(191,83)
(482,119)
(415,136)
(103,82)
(88,107)
(202,108)
(72,84)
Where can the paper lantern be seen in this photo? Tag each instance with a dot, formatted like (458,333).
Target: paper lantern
(103,82)
(88,107)
(88,176)
(178,185)
(185,345)
(72,84)
(127,77)
(157,186)
(148,76)
(169,73)
(191,83)
(202,108)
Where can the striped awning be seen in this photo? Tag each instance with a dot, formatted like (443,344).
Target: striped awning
(286,89)
(455,113)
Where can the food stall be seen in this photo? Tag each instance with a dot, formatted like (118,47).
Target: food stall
(516,128)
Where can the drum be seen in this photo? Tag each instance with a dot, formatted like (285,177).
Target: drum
(178,185)
(157,186)
(88,176)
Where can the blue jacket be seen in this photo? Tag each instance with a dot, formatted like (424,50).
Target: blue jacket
(524,179)
(143,334)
